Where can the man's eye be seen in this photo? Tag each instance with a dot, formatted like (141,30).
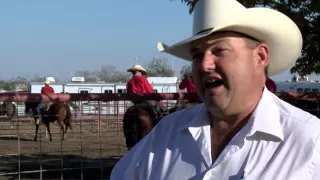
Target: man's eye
(218,51)
(197,57)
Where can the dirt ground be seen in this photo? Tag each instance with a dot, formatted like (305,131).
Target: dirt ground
(84,154)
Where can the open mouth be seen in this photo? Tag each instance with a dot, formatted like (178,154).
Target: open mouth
(213,83)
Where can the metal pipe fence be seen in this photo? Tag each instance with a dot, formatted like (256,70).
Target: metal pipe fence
(96,141)
(89,151)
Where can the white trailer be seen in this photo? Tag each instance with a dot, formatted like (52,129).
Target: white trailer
(160,84)
(298,87)
(88,88)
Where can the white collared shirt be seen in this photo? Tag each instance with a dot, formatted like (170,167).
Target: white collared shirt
(279,142)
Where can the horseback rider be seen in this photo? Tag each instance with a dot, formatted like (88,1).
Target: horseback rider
(188,83)
(139,84)
(46,89)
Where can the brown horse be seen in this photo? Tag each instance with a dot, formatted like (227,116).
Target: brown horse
(9,109)
(139,120)
(51,112)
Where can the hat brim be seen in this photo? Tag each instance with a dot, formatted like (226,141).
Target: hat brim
(144,72)
(279,32)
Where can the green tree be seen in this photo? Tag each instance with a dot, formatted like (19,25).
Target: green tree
(37,78)
(306,14)
(159,67)
(111,74)
(118,76)
(186,71)
(88,75)
(20,79)
(7,85)
(294,78)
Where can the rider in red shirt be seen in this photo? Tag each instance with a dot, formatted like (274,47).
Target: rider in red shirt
(140,84)
(271,85)
(188,83)
(46,89)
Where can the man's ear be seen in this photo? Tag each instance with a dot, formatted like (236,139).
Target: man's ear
(262,52)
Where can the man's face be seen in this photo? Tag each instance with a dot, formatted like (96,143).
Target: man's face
(138,73)
(227,72)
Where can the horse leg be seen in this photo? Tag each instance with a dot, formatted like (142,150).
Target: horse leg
(63,127)
(67,121)
(67,124)
(48,129)
(46,132)
(36,122)
(10,120)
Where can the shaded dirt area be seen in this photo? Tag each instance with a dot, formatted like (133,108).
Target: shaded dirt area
(84,154)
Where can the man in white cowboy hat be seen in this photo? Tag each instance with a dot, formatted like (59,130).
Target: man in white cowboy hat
(242,131)
(140,84)
(46,89)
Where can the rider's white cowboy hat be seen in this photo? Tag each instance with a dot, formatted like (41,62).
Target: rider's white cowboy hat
(138,68)
(275,29)
(47,81)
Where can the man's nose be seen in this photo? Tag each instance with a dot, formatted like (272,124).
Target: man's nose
(208,62)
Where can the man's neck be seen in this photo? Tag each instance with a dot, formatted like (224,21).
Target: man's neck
(229,124)
(226,124)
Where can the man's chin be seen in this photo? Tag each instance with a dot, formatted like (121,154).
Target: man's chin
(215,106)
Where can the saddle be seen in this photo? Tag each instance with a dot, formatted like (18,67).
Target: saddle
(157,108)
(47,106)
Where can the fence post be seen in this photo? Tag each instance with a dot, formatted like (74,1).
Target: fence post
(99,116)
(118,119)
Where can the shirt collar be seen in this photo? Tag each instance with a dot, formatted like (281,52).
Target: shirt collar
(199,117)
(265,118)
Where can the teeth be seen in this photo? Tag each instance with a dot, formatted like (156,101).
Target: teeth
(211,81)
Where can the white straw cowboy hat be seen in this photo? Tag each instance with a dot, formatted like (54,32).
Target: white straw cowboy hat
(138,68)
(279,32)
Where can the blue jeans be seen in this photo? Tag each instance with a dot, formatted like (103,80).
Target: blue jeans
(155,105)
(41,105)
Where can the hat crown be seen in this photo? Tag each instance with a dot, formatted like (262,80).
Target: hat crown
(136,66)
(210,13)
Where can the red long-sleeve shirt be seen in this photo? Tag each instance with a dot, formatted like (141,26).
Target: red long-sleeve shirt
(271,85)
(188,83)
(139,84)
(46,89)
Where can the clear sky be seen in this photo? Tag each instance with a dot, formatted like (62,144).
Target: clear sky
(55,38)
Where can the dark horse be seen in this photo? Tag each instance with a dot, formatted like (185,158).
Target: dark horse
(138,121)
(51,112)
(140,118)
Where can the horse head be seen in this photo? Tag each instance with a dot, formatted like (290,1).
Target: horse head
(30,105)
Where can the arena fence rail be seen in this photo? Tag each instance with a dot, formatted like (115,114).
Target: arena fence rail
(96,141)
